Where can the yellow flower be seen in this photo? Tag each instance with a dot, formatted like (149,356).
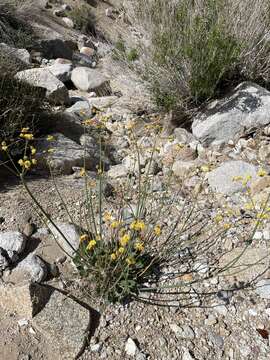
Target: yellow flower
(50,151)
(33,150)
(50,138)
(25,130)
(237,178)
(27,136)
(107,216)
(124,240)
(21,162)
(178,147)
(27,164)
(4,146)
(248,206)
(84,237)
(205,168)
(218,218)
(121,250)
(227,226)
(115,224)
(139,246)
(130,261)
(34,161)
(82,172)
(157,230)
(137,225)
(261,172)
(91,244)
(113,256)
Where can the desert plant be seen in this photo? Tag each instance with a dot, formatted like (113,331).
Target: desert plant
(83,18)
(14,30)
(194,46)
(142,244)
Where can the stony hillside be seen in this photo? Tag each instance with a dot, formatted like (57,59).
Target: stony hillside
(75,96)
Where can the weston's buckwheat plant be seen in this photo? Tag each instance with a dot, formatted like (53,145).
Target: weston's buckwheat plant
(146,241)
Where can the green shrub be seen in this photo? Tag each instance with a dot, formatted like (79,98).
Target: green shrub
(14,31)
(21,106)
(132,55)
(83,18)
(194,47)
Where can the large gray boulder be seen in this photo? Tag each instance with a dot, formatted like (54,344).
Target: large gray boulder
(12,243)
(21,54)
(248,107)
(90,80)
(56,92)
(65,323)
(65,155)
(61,71)
(67,236)
(222,179)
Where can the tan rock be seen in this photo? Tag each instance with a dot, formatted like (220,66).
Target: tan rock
(245,264)
(87,51)
(260,184)
(26,300)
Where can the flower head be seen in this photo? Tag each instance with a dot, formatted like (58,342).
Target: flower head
(139,246)
(50,138)
(4,146)
(157,230)
(115,224)
(121,250)
(261,172)
(113,256)
(33,150)
(84,237)
(124,240)
(91,244)
(137,225)
(130,260)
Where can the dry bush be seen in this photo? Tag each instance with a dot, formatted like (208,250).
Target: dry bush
(191,48)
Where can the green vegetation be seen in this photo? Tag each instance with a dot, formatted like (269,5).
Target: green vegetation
(83,18)
(195,47)
(14,31)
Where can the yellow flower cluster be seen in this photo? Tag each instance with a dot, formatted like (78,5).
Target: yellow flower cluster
(25,134)
(137,225)
(124,240)
(91,244)
(4,146)
(27,163)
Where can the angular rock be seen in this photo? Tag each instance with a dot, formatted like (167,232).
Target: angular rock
(66,154)
(56,48)
(26,300)
(87,51)
(248,107)
(90,80)
(245,264)
(263,288)
(61,71)
(222,180)
(102,102)
(68,22)
(64,323)
(12,243)
(71,232)
(32,268)
(183,168)
(131,347)
(117,171)
(79,106)
(21,54)
(56,92)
